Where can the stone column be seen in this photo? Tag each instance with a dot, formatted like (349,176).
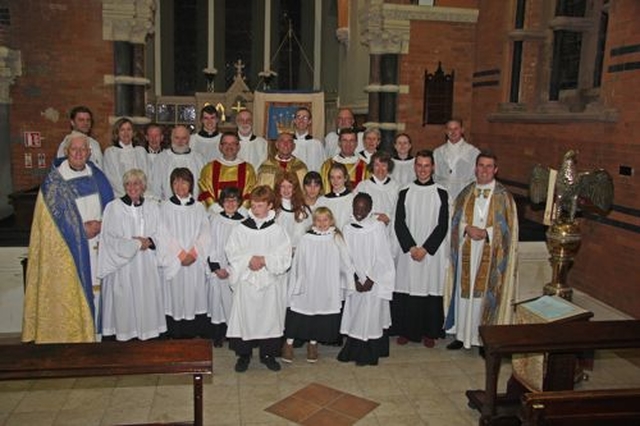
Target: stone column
(128,23)
(10,68)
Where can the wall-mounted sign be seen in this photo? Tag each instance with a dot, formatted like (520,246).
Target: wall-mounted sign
(32,140)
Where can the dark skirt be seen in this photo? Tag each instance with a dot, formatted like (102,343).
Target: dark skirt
(365,352)
(200,326)
(415,317)
(321,328)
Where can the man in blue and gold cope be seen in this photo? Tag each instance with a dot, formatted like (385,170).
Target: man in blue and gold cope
(60,306)
(484,243)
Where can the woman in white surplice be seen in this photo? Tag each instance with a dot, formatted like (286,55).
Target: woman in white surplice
(132,305)
(220,294)
(259,253)
(184,259)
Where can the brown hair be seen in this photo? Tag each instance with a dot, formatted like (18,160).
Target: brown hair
(300,210)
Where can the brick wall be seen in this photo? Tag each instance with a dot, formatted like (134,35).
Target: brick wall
(452,44)
(607,264)
(64,60)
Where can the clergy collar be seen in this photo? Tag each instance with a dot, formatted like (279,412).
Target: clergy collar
(233,162)
(182,202)
(127,200)
(489,185)
(284,160)
(123,146)
(150,151)
(305,136)
(188,151)
(341,156)
(427,183)
(262,223)
(235,216)
(378,181)
(410,157)
(456,145)
(338,194)
(251,137)
(203,133)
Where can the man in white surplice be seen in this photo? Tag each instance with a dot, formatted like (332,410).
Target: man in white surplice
(455,161)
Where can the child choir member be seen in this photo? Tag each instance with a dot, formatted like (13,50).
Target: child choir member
(312,188)
(366,314)
(339,199)
(321,271)
(291,211)
(259,254)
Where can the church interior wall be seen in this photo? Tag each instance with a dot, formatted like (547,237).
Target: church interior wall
(64,61)
(451,44)
(606,266)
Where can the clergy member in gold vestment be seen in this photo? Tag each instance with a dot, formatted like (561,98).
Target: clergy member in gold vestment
(228,171)
(59,297)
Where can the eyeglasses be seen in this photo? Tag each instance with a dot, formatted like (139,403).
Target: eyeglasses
(302,118)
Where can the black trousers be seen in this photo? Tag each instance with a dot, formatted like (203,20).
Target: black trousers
(268,347)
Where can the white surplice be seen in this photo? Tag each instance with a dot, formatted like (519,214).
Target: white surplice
(132,299)
(259,297)
(220,294)
(320,273)
(367,314)
(185,287)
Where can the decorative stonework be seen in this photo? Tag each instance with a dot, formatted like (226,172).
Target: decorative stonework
(125,79)
(387,88)
(386,27)
(10,68)
(400,127)
(128,20)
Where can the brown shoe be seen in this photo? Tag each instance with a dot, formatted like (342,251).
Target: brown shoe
(287,353)
(312,353)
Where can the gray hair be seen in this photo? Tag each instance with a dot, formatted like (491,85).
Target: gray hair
(373,130)
(132,175)
(75,135)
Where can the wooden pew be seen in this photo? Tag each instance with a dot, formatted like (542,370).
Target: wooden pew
(31,361)
(562,342)
(606,407)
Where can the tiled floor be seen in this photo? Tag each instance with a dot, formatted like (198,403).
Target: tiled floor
(414,386)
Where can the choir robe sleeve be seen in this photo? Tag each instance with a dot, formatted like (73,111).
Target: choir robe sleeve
(202,244)
(278,260)
(116,248)
(347,270)
(382,269)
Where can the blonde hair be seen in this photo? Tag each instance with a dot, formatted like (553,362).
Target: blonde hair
(322,210)
(133,175)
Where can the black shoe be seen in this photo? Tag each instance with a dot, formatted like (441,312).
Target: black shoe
(217,343)
(481,351)
(271,363)
(242,364)
(455,345)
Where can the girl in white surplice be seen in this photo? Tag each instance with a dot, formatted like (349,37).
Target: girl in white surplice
(320,273)
(366,316)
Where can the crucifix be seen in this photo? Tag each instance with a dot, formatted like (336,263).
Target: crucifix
(239,66)
(238,107)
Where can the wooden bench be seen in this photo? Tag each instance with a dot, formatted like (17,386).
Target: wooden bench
(31,361)
(561,342)
(606,407)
